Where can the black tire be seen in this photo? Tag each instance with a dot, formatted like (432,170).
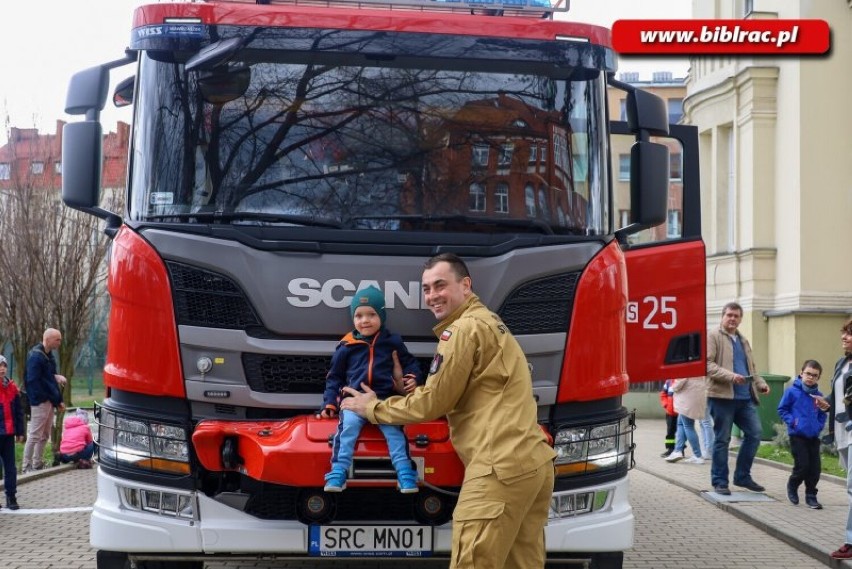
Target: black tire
(170,564)
(600,560)
(112,560)
(119,560)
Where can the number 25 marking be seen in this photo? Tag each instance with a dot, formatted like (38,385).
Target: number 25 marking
(662,306)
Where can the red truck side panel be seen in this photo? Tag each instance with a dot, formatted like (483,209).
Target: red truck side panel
(596,368)
(142,355)
(667,301)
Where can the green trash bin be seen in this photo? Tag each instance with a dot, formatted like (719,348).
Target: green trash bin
(768,408)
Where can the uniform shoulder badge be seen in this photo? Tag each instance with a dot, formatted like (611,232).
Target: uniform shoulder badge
(445,335)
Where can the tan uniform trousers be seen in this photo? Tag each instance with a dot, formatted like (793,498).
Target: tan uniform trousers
(500,524)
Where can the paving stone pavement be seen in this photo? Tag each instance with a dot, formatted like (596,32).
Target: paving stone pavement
(51,530)
(814,532)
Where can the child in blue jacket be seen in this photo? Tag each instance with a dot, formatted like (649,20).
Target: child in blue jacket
(365,356)
(803,410)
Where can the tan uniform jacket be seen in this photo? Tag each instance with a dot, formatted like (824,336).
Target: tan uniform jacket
(720,363)
(480,380)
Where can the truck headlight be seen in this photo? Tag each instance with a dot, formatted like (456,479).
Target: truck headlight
(592,448)
(125,440)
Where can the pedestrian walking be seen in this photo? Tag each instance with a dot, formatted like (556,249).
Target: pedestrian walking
(804,410)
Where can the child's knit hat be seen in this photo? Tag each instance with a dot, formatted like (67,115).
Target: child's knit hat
(369,296)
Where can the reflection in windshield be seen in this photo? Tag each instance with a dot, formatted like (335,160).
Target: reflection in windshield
(372,147)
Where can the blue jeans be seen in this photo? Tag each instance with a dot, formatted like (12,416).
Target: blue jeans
(346,438)
(845,462)
(707,432)
(686,432)
(85,453)
(743,414)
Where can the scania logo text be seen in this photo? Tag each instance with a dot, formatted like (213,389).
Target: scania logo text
(337,293)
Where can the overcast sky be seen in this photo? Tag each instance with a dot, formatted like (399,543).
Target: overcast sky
(43,42)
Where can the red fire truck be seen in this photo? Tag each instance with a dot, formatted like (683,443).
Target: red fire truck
(285,154)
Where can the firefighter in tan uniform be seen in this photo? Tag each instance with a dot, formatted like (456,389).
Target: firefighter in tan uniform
(480,380)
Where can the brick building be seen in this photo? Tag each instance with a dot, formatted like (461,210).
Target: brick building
(34,159)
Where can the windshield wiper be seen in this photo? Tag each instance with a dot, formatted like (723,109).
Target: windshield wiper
(237,216)
(496,221)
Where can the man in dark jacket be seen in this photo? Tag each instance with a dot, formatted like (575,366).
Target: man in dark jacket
(45,394)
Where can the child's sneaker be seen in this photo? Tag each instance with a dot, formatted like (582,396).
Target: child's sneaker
(694,460)
(335,481)
(406,481)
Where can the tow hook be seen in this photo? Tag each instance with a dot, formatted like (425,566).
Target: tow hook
(230,457)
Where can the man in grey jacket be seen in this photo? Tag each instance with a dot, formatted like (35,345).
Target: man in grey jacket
(732,390)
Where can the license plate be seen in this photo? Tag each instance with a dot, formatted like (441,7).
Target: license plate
(370,541)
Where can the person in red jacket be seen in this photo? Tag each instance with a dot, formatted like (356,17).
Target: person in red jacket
(77,445)
(11,431)
(667,401)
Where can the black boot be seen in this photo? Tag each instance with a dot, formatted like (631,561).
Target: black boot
(12,503)
(792,494)
(811,501)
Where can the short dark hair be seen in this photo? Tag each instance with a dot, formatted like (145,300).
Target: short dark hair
(456,264)
(847,328)
(814,364)
(732,306)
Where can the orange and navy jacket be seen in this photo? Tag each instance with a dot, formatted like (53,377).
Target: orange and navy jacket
(367,360)
(11,410)
(667,398)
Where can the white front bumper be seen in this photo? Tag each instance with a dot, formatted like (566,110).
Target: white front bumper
(217,529)
(222,529)
(609,529)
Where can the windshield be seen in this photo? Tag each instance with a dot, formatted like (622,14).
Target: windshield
(373,143)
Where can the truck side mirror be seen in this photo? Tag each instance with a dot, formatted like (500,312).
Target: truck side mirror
(81,170)
(87,91)
(122,96)
(649,183)
(81,164)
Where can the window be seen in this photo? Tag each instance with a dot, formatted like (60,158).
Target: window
(533,154)
(622,113)
(477,197)
(480,155)
(37,167)
(542,202)
(561,215)
(501,198)
(505,157)
(675,166)
(57,167)
(624,167)
(675,110)
(5,171)
(623,218)
(529,200)
(673,229)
